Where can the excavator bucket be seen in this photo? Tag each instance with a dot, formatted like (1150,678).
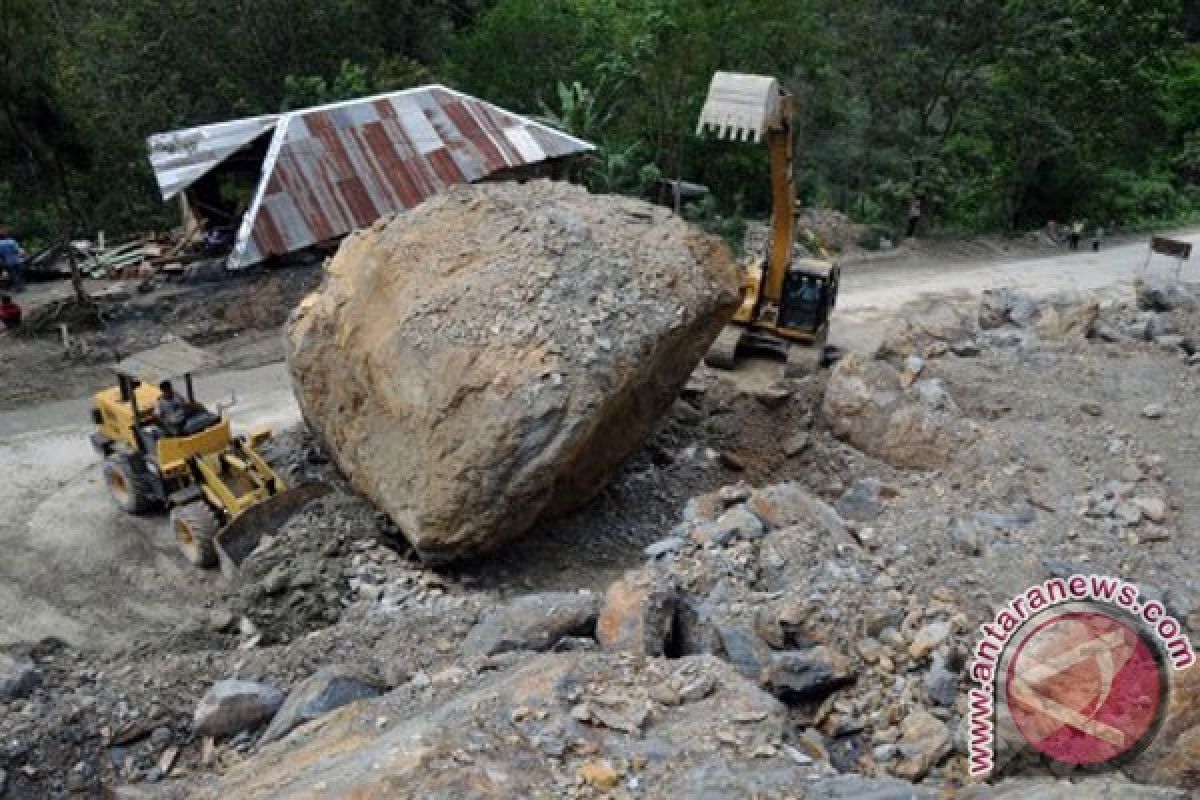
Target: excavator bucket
(240,537)
(742,107)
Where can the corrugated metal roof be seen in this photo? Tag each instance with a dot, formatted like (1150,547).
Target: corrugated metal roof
(183,157)
(337,168)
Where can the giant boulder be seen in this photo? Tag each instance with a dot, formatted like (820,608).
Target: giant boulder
(489,357)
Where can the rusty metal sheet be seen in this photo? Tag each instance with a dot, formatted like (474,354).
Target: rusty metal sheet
(337,168)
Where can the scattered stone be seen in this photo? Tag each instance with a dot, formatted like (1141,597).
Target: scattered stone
(697,688)
(734,523)
(913,366)
(967,348)
(807,675)
(672,544)
(774,396)
(1128,514)
(1153,508)
(786,504)
(924,742)
(599,774)
(533,622)
(638,613)
(930,638)
(863,501)
(941,685)
(1157,294)
(796,444)
(744,650)
(1092,409)
(1153,411)
(234,706)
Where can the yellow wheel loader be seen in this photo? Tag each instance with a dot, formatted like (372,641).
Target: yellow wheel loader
(219,492)
(786,302)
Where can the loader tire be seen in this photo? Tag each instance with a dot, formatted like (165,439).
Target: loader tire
(128,486)
(194,527)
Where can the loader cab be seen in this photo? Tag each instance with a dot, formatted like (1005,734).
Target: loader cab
(126,415)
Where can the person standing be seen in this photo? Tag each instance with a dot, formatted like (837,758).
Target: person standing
(1075,234)
(12,258)
(10,313)
(914,217)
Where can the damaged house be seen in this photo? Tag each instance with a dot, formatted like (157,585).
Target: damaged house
(283,182)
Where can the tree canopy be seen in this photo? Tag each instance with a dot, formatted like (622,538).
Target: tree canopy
(999,114)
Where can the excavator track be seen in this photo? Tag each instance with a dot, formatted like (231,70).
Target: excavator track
(723,353)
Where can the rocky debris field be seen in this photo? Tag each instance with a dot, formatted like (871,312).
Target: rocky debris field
(787,584)
(492,356)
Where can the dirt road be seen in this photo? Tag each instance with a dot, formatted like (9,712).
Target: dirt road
(76,568)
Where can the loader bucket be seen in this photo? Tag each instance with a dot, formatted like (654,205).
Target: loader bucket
(742,107)
(240,537)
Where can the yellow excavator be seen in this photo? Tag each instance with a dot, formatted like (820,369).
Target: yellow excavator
(219,491)
(786,302)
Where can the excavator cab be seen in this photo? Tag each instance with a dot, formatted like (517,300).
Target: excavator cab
(786,302)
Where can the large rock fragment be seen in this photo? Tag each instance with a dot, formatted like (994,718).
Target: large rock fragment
(927,329)
(639,613)
(533,622)
(231,707)
(489,357)
(867,406)
(503,744)
(326,690)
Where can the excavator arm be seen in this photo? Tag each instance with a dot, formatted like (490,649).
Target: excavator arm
(757,108)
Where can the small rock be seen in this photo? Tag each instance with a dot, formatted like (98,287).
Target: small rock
(744,650)
(796,444)
(966,537)
(277,581)
(234,706)
(863,501)
(662,547)
(1153,508)
(221,621)
(941,684)
(929,639)
(807,675)
(698,688)
(773,396)
(968,348)
(731,461)
(913,366)
(1128,514)
(328,689)
(1092,409)
(599,774)
(18,676)
(925,741)
(1153,411)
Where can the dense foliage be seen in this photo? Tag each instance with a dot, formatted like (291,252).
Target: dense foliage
(1002,114)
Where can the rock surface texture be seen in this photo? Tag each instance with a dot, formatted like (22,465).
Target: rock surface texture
(489,357)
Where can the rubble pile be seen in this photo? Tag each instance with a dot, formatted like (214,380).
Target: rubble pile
(799,624)
(491,357)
